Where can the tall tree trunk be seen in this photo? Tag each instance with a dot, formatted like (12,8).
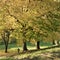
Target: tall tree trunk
(6,43)
(5,37)
(24,46)
(53,42)
(58,42)
(18,50)
(38,44)
(6,48)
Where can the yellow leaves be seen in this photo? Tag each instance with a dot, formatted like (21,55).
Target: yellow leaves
(10,22)
(37,28)
(26,13)
(41,32)
(30,23)
(33,41)
(52,36)
(1,16)
(56,35)
(57,0)
(19,42)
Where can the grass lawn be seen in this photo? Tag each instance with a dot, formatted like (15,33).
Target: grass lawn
(28,44)
(31,54)
(48,54)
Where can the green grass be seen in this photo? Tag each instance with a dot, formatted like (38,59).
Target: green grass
(2,46)
(13,45)
(41,43)
(37,55)
(7,59)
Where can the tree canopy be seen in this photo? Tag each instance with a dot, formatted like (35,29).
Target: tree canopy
(31,19)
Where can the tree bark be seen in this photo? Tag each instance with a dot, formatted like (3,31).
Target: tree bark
(24,46)
(5,37)
(18,50)
(53,42)
(58,42)
(6,47)
(6,42)
(38,44)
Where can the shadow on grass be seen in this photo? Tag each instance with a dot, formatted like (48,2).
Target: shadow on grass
(30,51)
(55,55)
(56,46)
(35,50)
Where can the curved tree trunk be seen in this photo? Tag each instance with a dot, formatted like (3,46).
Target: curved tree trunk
(38,44)
(24,46)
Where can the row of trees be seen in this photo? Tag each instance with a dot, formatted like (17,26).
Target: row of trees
(29,21)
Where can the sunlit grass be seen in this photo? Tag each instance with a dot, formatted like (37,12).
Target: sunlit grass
(44,53)
(40,54)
